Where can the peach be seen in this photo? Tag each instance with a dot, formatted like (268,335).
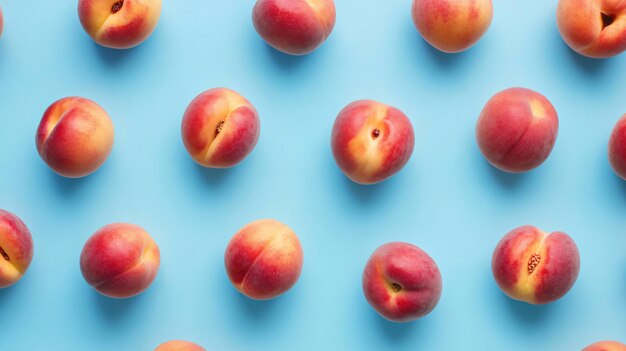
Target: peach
(1,21)
(371,141)
(452,26)
(536,267)
(517,130)
(264,259)
(401,282)
(606,346)
(16,249)
(593,28)
(120,260)
(119,24)
(617,148)
(220,128)
(178,345)
(75,137)
(295,27)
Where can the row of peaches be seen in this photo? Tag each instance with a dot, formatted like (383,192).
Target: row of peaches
(594,28)
(370,141)
(264,260)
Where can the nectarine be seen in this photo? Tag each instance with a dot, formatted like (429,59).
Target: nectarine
(517,130)
(264,259)
(296,27)
(401,282)
(16,249)
(452,26)
(371,141)
(119,24)
(120,260)
(536,267)
(75,137)
(220,128)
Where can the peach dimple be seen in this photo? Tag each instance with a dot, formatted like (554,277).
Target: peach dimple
(264,259)
(593,28)
(16,249)
(536,267)
(120,260)
(119,24)
(295,27)
(401,282)
(220,128)
(517,130)
(75,137)
(371,141)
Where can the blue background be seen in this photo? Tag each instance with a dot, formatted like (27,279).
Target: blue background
(447,200)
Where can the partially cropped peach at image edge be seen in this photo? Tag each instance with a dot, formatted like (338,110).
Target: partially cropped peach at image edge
(16,249)
(120,260)
(1,22)
(75,137)
(264,259)
(371,141)
(119,24)
(179,345)
(452,26)
(296,27)
(220,128)
(534,266)
(593,28)
(607,345)
(517,130)
(617,148)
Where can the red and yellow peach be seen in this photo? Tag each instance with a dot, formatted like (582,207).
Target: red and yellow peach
(401,282)
(593,28)
(264,259)
(179,345)
(16,249)
(517,130)
(617,148)
(75,137)
(452,26)
(371,141)
(606,346)
(120,260)
(220,128)
(296,27)
(119,24)
(536,267)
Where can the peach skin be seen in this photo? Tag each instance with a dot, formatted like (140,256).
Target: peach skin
(119,24)
(179,345)
(402,282)
(452,26)
(535,267)
(593,28)
(220,128)
(295,27)
(1,22)
(120,260)
(371,141)
(16,249)
(75,137)
(617,148)
(517,130)
(264,259)
(606,346)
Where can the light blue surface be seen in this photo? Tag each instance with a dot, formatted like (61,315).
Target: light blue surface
(447,200)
